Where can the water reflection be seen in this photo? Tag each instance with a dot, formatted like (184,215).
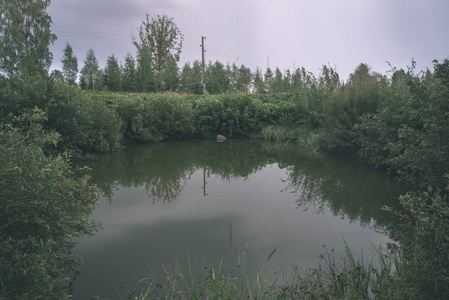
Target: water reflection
(216,199)
(347,188)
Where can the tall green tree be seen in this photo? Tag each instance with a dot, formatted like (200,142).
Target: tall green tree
(233,77)
(278,82)
(90,72)
(259,85)
(163,39)
(186,78)
(268,80)
(329,79)
(297,80)
(129,76)
(217,78)
(69,65)
(145,73)
(243,79)
(196,83)
(112,74)
(169,77)
(25,37)
(361,75)
(287,81)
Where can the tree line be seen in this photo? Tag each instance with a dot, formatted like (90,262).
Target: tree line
(139,75)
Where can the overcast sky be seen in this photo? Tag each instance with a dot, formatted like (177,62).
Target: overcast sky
(288,33)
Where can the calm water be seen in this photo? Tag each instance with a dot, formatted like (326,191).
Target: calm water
(213,200)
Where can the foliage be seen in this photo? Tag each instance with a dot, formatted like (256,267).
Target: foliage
(90,71)
(69,65)
(21,93)
(129,79)
(168,79)
(344,108)
(424,246)
(112,74)
(217,78)
(406,134)
(25,37)
(162,38)
(44,204)
(146,81)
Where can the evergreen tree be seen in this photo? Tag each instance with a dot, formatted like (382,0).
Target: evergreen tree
(25,37)
(90,74)
(244,79)
(287,86)
(329,79)
(112,74)
(217,78)
(69,65)
(196,83)
(129,74)
(145,73)
(308,79)
(259,85)
(361,75)
(296,80)
(186,78)
(399,79)
(170,76)
(269,80)
(278,83)
(234,77)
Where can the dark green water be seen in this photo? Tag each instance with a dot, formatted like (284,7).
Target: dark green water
(259,195)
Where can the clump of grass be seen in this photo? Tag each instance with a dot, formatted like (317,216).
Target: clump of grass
(278,133)
(281,134)
(338,277)
(304,136)
(310,141)
(268,133)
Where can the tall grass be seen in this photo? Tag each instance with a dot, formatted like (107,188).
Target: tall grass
(303,136)
(349,276)
(278,133)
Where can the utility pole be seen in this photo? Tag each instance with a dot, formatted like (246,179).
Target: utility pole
(202,50)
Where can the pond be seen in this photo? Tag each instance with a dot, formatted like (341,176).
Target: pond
(238,200)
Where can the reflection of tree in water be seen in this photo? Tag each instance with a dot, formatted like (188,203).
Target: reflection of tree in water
(163,190)
(307,189)
(345,187)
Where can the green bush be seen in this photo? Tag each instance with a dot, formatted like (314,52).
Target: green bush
(86,125)
(424,247)
(44,204)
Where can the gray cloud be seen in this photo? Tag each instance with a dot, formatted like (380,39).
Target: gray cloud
(305,33)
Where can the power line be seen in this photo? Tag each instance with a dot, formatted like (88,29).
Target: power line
(91,20)
(237,51)
(109,23)
(220,53)
(94,31)
(96,36)
(226,56)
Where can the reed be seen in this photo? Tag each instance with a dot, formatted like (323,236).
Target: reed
(268,133)
(348,276)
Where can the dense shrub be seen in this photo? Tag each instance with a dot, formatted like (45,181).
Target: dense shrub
(86,125)
(44,204)
(424,247)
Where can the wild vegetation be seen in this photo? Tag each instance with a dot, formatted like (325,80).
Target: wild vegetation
(398,122)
